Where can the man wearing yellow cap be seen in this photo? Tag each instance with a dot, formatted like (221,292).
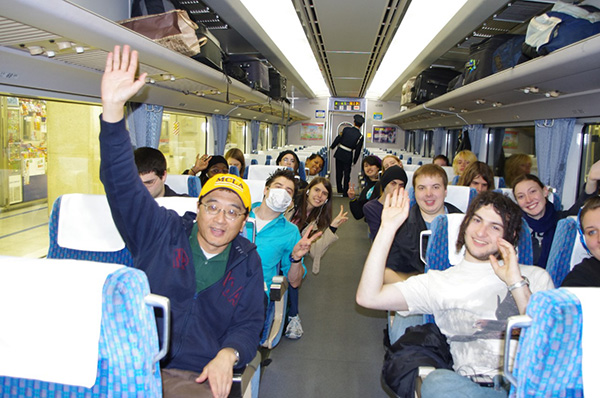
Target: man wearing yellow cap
(211,274)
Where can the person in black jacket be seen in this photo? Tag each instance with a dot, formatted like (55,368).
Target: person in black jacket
(587,272)
(210,273)
(430,183)
(371,168)
(350,141)
(152,167)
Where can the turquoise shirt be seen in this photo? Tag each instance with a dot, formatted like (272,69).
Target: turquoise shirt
(274,244)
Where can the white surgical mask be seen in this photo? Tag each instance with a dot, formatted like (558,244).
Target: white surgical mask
(278,200)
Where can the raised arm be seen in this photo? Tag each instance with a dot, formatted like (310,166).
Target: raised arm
(119,83)
(372,292)
(510,273)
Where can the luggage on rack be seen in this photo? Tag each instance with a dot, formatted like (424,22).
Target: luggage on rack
(407,90)
(480,61)
(457,82)
(431,83)
(210,53)
(257,72)
(278,85)
(508,54)
(565,24)
(150,7)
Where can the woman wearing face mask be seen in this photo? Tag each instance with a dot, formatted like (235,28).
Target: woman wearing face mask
(208,166)
(587,272)
(312,207)
(371,168)
(540,214)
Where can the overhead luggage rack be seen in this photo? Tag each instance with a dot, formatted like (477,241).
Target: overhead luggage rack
(58,48)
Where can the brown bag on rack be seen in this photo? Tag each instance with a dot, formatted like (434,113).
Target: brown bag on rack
(173,29)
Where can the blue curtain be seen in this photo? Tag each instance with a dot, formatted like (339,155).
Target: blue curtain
(419,140)
(406,139)
(221,129)
(254,129)
(552,142)
(476,135)
(439,134)
(144,122)
(274,135)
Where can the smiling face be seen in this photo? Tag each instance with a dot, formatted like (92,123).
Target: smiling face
(531,198)
(371,171)
(482,234)
(317,196)
(590,223)
(215,231)
(289,161)
(430,194)
(314,165)
(390,161)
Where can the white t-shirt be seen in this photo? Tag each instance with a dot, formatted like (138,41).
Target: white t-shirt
(470,304)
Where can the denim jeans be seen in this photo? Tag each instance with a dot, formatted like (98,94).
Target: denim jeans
(443,383)
(400,324)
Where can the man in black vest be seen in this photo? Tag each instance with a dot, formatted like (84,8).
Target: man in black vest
(350,139)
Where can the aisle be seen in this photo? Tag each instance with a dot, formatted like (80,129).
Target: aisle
(341,352)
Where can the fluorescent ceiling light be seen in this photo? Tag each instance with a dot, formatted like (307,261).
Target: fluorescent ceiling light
(421,23)
(281,23)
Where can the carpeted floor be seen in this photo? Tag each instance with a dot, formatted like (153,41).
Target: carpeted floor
(341,352)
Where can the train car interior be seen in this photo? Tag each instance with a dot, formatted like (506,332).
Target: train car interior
(265,77)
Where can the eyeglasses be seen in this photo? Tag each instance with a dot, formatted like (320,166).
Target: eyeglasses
(213,210)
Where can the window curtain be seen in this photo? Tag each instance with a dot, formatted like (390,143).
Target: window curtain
(552,142)
(274,135)
(406,139)
(144,123)
(419,140)
(495,150)
(221,129)
(477,136)
(438,140)
(254,130)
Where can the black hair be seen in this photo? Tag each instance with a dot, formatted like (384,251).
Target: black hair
(508,210)
(282,154)
(289,174)
(150,160)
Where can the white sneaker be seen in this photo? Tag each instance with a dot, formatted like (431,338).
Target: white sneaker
(294,328)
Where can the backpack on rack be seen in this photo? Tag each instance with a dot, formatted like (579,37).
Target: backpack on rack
(565,24)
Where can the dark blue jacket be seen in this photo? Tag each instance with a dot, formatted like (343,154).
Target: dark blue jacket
(230,313)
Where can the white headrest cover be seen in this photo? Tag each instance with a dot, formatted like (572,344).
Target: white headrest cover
(454,221)
(85,223)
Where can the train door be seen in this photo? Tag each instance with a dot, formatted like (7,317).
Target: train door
(337,122)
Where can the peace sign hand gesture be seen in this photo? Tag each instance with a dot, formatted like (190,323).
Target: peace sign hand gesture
(340,219)
(303,245)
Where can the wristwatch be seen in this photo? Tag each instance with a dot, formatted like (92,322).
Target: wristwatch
(237,357)
(293,260)
(519,284)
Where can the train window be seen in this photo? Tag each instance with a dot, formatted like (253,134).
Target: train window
(24,156)
(591,150)
(236,138)
(182,137)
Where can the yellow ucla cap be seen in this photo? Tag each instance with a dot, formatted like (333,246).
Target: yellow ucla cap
(231,182)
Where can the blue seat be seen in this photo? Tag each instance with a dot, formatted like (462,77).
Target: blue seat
(186,184)
(455,180)
(302,171)
(234,170)
(566,250)
(549,357)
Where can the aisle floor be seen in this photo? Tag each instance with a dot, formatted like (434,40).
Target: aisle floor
(341,352)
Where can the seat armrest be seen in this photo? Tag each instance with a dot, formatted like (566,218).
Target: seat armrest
(423,372)
(243,385)
(518,321)
(278,288)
